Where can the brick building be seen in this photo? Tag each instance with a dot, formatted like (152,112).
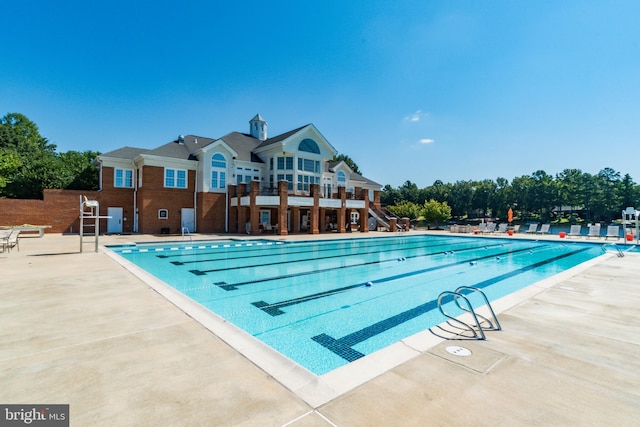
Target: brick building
(241,182)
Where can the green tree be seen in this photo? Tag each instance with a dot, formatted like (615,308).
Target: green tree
(410,192)
(79,171)
(389,196)
(629,192)
(39,165)
(435,212)
(460,198)
(349,161)
(9,163)
(406,209)
(483,192)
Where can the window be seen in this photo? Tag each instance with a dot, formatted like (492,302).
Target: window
(218,171)
(218,179)
(342,179)
(218,161)
(285,163)
(288,178)
(175,178)
(163,214)
(309,145)
(265,217)
(123,178)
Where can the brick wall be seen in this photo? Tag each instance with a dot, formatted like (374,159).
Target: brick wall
(210,212)
(59,208)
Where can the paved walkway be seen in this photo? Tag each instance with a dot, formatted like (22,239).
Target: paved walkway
(80,329)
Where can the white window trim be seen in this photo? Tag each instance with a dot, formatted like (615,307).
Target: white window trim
(175,178)
(124,177)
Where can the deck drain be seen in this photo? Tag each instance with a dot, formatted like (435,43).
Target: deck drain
(458,351)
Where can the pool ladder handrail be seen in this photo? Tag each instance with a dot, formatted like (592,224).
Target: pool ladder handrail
(185,229)
(478,329)
(619,252)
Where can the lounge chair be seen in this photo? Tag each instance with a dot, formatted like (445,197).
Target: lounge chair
(575,231)
(613,231)
(491,228)
(544,229)
(516,228)
(533,228)
(482,227)
(502,228)
(594,231)
(11,240)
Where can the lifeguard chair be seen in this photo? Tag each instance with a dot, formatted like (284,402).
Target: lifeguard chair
(90,209)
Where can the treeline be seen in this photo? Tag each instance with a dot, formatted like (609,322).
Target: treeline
(571,193)
(29,163)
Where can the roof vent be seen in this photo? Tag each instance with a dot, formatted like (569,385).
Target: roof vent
(180,139)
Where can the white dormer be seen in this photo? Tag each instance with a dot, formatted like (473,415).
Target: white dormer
(258,128)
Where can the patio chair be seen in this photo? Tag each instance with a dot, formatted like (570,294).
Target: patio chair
(544,229)
(482,227)
(516,228)
(502,228)
(533,228)
(491,228)
(11,240)
(575,231)
(613,231)
(594,231)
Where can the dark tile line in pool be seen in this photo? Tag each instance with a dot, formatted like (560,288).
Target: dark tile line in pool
(274,309)
(198,272)
(305,251)
(234,286)
(343,346)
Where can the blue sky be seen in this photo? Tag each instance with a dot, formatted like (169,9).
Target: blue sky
(411,90)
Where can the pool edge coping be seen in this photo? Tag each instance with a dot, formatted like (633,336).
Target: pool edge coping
(317,390)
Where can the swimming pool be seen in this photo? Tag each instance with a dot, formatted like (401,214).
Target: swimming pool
(326,303)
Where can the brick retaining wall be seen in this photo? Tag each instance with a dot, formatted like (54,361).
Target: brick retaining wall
(59,208)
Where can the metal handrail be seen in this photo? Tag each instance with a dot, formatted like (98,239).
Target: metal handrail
(480,332)
(492,326)
(187,232)
(619,252)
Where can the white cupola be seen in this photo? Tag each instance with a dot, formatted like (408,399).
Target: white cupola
(258,128)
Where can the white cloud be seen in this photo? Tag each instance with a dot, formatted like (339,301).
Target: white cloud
(416,117)
(426,141)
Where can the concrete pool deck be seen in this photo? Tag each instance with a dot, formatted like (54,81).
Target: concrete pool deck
(80,329)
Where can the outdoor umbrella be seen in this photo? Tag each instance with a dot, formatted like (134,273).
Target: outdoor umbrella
(510,215)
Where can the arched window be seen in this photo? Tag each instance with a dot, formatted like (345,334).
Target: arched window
(218,171)
(309,145)
(342,179)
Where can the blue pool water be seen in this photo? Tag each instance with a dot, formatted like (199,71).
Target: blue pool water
(326,303)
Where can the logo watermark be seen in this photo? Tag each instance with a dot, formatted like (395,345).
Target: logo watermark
(34,415)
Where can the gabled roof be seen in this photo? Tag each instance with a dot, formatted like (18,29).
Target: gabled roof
(358,177)
(270,141)
(329,167)
(128,153)
(244,145)
(195,143)
(257,117)
(174,150)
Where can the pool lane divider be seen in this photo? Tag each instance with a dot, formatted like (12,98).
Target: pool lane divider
(329,244)
(306,260)
(331,250)
(193,246)
(343,347)
(275,308)
(233,286)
